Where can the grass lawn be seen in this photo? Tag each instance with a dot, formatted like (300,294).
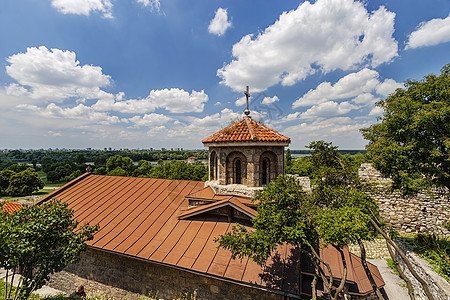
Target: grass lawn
(39,193)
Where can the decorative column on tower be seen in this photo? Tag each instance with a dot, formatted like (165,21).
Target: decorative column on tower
(245,156)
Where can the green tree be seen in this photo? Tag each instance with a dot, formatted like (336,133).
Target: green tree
(124,163)
(143,169)
(288,160)
(412,142)
(40,240)
(24,183)
(5,176)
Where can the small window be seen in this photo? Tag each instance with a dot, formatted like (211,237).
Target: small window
(237,171)
(265,171)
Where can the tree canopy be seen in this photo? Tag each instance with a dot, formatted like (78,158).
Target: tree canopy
(335,213)
(412,142)
(40,240)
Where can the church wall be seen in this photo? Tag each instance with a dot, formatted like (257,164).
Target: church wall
(253,155)
(118,276)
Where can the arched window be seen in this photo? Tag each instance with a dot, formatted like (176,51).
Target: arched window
(213,166)
(265,171)
(237,171)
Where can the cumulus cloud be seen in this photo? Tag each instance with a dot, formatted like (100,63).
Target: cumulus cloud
(174,100)
(341,131)
(270,100)
(54,74)
(79,112)
(220,23)
(358,85)
(84,7)
(149,120)
(328,109)
(431,33)
(329,35)
(154,5)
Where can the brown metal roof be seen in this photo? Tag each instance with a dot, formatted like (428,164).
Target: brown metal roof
(138,217)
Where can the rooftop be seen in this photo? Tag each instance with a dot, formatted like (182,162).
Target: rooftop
(246,130)
(150,219)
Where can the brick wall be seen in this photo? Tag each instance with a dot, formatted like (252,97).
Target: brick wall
(120,277)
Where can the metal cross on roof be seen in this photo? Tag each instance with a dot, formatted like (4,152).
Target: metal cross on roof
(247,95)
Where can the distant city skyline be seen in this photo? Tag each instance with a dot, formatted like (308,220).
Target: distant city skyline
(80,74)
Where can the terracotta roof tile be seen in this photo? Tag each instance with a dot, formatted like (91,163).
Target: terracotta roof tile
(11,206)
(246,130)
(139,217)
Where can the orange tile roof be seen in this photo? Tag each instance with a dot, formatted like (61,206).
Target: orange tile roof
(139,217)
(11,206)
(246,130)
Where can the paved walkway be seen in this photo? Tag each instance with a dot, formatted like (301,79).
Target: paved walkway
(377,253)
(44,291)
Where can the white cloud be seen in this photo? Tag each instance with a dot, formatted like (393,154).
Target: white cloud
(149,120)
(174,100)
(328,109)
(366,99)
(241,101)
(359,85)
(79,112)
(270,100)
(329,34)
(387,87)
(220,23)
(341,131)
(376,111)
(154,5)
(431,33)
(54,75)
(84,7)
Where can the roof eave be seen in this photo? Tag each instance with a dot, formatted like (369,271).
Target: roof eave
(247,144)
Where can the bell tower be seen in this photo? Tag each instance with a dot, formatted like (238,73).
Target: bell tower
(245,156)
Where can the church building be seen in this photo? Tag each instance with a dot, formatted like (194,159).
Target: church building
(158,236)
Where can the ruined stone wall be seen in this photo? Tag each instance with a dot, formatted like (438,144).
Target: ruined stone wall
(439,287)
(121,277)
(424,212)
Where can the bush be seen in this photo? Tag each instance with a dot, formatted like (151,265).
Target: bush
(436,250)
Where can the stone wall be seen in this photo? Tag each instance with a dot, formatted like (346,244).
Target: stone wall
(439,287)
(424,212)
(120,277)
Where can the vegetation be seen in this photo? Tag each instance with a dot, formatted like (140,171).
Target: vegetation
(335,213)
(22,183)
(305,166)
(436,250)
(412,143)
(39,240)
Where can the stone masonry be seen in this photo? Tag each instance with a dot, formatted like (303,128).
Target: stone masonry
(424,212)
(123,277)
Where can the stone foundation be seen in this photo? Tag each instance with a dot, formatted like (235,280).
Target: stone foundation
(122,277)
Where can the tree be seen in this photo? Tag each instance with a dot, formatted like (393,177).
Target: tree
(5,176)
(124,163)
(329,216)
(40,240)
(288,160)
(412,143)
(24,183)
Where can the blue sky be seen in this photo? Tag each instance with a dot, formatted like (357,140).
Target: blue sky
(168,73)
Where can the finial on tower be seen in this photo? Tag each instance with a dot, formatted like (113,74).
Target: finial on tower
(247,95)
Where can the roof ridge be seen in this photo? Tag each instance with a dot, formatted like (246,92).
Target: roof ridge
(252,132)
